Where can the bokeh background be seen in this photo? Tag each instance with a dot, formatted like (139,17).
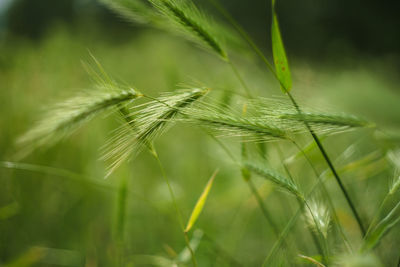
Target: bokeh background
(345,55)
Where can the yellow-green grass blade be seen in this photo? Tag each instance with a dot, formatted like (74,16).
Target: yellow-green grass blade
(200,203)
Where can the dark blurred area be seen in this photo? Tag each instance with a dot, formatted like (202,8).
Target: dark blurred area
(312,28)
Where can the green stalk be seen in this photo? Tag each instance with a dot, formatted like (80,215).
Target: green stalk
(120,219)
(314,237)
(178,212)
(240,78)
(221,251)
(126,116)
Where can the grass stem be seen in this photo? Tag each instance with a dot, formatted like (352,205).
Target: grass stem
(178,212)
(240,78)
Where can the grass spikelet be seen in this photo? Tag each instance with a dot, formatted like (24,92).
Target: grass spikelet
(318,217)
(64,118)
(191,21)
(149,120)
(320,119)
(282,113)
(276,178)
(227,122)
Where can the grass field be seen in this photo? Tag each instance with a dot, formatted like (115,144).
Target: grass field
(57,209)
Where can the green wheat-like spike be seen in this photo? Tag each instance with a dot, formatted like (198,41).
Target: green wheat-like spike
(281,113)
(150,120)
(227,122)
(327,119)
(276,178)
(64,118)
(188,18)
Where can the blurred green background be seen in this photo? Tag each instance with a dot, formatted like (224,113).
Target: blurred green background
(344,56)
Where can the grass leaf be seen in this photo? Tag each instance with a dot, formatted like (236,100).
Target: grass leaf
(200,203)
(279,54)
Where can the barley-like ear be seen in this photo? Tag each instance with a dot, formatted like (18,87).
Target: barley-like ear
(132,10)
(149,121)
(280,112)
(318,217)
(321,121)
(278,179)
(227,122)
(186,17)
(64,118)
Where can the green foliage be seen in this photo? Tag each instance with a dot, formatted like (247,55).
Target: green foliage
(279,53)
(200,203)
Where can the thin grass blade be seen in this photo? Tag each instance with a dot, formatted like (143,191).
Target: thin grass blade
(200,203)
(279,54)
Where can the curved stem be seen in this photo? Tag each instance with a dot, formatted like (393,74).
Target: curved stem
(263,209)
(178,212)
(301,202)
(240,78)
(252,187)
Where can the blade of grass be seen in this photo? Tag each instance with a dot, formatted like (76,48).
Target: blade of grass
(279,54)
(200,203)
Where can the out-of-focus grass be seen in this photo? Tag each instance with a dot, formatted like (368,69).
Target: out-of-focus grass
(62,220)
